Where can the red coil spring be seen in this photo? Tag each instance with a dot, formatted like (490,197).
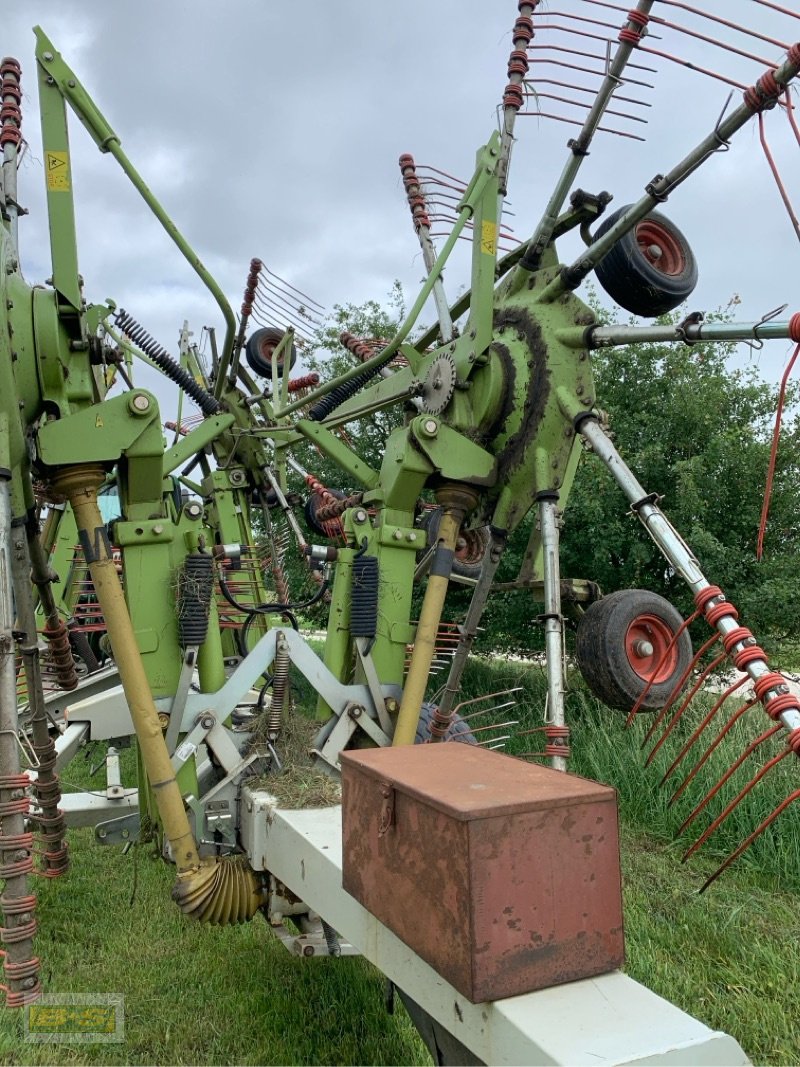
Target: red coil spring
(355,345)
(411,184)
(750,651)
(557,741)
(308,381)
(27,972)
(10,115)
(764,94)
(250,287)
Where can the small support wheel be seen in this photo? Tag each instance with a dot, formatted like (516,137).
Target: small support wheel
(259,349)
(456,731)
(624,642)
(651,269)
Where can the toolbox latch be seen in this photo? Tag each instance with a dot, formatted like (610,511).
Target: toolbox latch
(387,808)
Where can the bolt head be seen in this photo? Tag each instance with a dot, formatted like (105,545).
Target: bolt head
(140,402)
(398,535)
(360,516)
(430,426)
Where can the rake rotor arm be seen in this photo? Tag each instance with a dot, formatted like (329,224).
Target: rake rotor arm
(678,555)
(579,147)
(659,189)
(595,337)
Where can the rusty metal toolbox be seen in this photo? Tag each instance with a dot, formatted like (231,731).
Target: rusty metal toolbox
(502,875)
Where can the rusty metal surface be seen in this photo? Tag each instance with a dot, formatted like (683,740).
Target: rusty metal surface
(468,782)
(501,892)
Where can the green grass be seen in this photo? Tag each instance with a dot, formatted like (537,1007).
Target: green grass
(220,996)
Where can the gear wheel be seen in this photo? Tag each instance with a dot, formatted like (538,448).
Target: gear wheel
(439,386)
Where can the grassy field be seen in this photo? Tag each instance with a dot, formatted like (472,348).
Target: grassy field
(222,996)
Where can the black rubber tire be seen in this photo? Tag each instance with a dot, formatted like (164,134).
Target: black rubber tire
(259,348)
(471,545)
(310,508)
(458,730)
(603,658)
(636,282)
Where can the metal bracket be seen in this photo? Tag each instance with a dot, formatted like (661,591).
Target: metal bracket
(119,831)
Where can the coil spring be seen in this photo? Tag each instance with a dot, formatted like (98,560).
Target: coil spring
(364,604)
(10,113)
(335,508)
(337,396)
(195,585)
(57,638)
(208,404)
(280,678)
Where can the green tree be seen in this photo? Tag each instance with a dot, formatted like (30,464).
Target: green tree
(697,431)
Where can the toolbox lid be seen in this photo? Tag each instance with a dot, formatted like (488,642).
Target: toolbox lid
(470,782)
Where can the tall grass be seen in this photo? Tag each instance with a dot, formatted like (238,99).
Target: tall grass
(603,749)
(196,994)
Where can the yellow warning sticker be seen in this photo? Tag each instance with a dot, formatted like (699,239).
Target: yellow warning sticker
(489,238)
(56,166)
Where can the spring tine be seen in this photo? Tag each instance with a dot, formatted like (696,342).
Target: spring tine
(678,687)
(701,728)
(749,750)
(776,175)
(489,696)
(495,726)
(701,679)
(584,89)
(493,741)
(751,838)
(778,7)
(287,285)
(720,819)
(723,22)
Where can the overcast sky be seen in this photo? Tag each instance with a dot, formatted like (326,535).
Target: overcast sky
(273,129)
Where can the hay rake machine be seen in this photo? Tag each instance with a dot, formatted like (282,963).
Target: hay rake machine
(198,635)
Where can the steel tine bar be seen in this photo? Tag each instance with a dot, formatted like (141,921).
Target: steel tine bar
(305,296)
(583,89)
(488,711)
(663,659)
(751,838)
(676,689)
(719,44)
(495,726)
(722,22)
(773,455)
(694,66)
(790,112)
(577,122)
(270,299)
(610,336)
(701,679)
(627,80)
(776,175)
(591,21)
(702,727)
(436,170)
(583,104)
(748,751)
(493,740)
(629,37)
(770,86)
(720,819)
(778,7)
(488,696)
(292,301)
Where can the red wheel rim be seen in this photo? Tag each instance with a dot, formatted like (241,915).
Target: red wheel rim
(660,247)
(646,642)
